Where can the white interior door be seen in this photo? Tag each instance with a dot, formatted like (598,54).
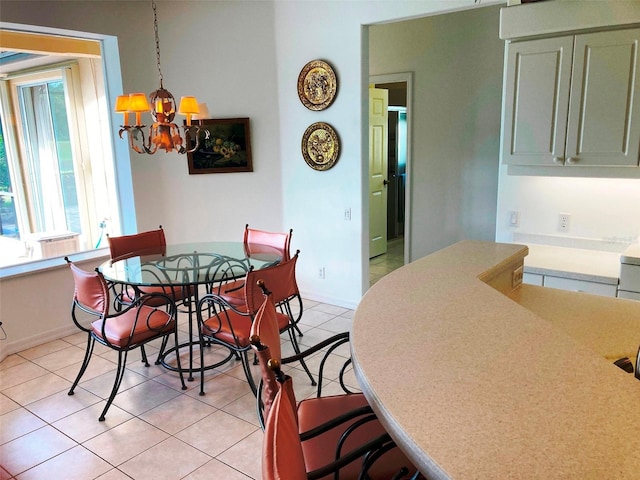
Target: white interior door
(378,103)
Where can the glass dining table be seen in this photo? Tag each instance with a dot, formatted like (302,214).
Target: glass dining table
(188,267)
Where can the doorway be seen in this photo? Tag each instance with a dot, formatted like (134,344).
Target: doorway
(398,172)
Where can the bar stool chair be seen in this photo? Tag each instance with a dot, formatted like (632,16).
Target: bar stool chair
(319,437)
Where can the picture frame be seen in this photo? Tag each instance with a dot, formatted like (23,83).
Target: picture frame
(227,148)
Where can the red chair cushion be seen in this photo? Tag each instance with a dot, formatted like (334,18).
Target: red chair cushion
(177,293)
(233,293)
(235,329)
(281,452)
(134,326)
(320,450)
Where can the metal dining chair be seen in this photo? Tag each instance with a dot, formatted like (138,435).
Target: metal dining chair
(152,242)
(255,242)
(133,326)
(322,436)
(222,323)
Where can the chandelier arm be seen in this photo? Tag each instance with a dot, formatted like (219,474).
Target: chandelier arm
(195,138)
(133,132)
(147,147)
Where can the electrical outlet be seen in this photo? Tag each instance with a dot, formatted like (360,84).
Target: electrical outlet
(563,222)
(321,273)
(347,214)
(516,278)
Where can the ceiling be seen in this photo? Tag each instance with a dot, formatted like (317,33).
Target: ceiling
(11,61)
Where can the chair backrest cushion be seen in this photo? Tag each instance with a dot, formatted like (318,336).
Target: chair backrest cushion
(282,457)
(256,240)
(150,242)
(91,290)
(279,279)
(265,326)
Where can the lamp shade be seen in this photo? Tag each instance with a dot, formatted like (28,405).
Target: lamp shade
(122,104)
(138,103)
(188,105)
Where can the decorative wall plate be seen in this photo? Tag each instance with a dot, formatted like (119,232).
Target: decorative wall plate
(317,85)
(320,146)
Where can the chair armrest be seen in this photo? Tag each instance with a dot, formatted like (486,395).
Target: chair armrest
(332,342)
(337,339)
(365,449)
(366,412)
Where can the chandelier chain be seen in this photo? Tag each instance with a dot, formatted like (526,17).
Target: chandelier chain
(155,30)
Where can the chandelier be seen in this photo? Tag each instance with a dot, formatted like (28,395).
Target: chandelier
(163,134)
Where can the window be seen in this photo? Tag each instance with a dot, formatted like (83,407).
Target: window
(57,174)
(8,217)
(48,160)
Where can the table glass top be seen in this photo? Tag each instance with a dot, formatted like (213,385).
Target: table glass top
(189,264)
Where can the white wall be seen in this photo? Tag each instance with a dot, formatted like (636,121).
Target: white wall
(603,210)
(242,59)
(336,33)
(456,60)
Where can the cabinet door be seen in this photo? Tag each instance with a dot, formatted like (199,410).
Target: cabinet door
(604,108)
(536,101)
(573,285)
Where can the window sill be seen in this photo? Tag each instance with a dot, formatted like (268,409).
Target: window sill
(52,263)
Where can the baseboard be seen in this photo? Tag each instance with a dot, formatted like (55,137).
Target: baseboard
(9,348)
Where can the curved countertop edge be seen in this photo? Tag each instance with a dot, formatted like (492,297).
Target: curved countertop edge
(467,267)
(487,269)
(426,465)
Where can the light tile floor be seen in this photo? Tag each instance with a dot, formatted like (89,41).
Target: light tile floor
(153,430)
(387,262)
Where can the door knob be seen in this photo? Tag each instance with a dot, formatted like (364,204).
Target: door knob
(572,160)
(558,160)
(385,182)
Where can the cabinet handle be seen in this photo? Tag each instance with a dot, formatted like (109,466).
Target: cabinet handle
(558,160)
(572,160)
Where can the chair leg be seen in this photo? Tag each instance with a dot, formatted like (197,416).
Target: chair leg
(296,348)
(201,345)
(122,361)
(289,312)
(85,363)
(175,339)
(144,356)
(161,352)
(247,372)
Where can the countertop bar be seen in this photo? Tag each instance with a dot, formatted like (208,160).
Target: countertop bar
(473,385)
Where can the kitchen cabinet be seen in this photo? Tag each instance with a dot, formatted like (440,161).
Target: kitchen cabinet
(629,286)
(575,285)
(572,100)
(571,284)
